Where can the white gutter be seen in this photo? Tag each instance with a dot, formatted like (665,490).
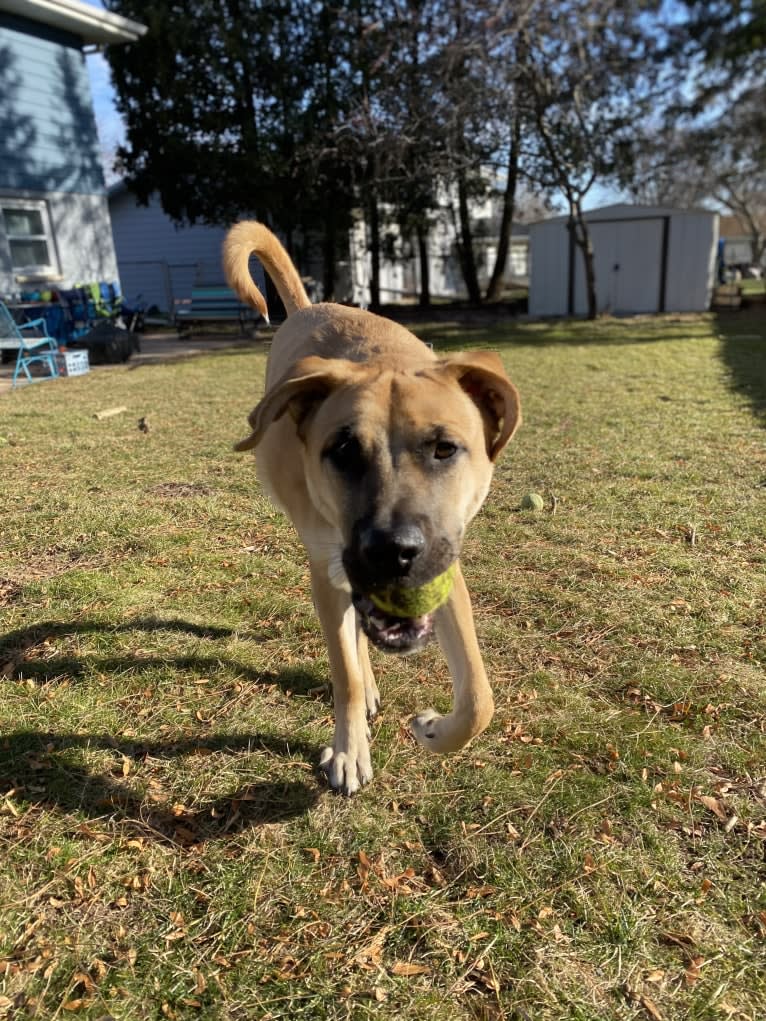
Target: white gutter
(91,24)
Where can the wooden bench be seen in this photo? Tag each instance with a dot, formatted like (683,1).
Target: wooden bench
(213,304)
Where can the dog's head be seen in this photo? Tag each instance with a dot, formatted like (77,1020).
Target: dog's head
(398,462)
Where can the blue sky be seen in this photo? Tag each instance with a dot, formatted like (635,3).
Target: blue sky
(111,130)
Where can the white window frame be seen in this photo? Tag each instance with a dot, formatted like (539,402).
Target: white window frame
(37,270)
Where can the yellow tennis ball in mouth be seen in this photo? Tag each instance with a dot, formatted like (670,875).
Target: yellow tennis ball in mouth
(415,602)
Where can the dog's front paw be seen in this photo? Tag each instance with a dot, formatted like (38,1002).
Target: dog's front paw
(444,734)
(425,728)
(347,770)
(450,732)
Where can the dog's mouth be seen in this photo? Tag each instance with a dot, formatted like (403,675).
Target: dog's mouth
(393,634)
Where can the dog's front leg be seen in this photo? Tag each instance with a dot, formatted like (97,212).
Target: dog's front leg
(347,762)
(472,703)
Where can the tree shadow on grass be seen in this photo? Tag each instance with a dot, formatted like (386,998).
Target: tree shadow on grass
(614,331)
(28,653)
(37,769)
(743,352)
(43,767)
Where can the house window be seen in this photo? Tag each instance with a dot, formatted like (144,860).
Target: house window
(28,235)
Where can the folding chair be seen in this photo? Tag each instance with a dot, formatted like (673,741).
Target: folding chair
(33,348)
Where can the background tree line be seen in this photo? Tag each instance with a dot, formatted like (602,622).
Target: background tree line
(301,112)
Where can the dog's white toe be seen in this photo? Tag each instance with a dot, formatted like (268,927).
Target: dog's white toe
(425,728)
(346,772)
(373,702)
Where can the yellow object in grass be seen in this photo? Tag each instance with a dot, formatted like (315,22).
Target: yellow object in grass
(532,502)
(415,602)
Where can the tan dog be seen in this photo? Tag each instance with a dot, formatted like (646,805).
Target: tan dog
(381,454)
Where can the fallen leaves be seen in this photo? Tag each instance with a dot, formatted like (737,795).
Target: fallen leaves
(404,883)
(408,969)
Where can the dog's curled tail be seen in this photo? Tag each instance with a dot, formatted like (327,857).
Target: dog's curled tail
(251,238)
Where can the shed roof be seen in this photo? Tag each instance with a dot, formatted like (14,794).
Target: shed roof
(89,23)
(734,227)
(628,211)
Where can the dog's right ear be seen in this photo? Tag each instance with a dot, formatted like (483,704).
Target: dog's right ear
(299,393)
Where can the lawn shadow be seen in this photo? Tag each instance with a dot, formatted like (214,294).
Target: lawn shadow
(27,653)
(743,352)
(38,766)
(35,766)
(497,332)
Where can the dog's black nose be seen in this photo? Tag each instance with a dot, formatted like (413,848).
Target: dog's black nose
(392,550)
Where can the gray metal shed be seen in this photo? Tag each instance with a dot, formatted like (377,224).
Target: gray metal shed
(647,259)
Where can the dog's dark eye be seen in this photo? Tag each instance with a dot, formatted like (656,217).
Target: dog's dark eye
(345,452)
(444,450)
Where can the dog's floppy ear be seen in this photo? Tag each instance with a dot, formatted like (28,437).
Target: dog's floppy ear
(307,383)
(482,375)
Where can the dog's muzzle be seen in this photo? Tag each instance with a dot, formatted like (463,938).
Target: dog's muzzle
(400,635)
(398,555)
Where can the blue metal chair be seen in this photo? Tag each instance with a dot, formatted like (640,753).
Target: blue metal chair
(34,348)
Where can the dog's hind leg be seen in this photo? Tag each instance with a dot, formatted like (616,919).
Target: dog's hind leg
(347,762)
(472,702)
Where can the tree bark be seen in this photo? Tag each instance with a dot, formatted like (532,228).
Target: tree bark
(374,219)
(495,285)
(465,246)
(424,299)
(584,243)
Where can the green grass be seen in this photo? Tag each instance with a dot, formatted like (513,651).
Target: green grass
(167,849)
(753,286)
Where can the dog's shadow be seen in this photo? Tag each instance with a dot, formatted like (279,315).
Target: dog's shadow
(42,771)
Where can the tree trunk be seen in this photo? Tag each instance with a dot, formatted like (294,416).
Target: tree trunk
(425,269)
(374,252)
(584,243)
(465,246)
(506,220)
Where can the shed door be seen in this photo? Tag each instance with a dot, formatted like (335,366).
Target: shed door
(628,267)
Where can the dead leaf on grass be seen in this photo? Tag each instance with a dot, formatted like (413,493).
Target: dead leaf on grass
(650,1007)
(713,805)
(692,974)
(407,969)
(476,892)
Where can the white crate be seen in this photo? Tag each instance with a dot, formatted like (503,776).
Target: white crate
(74,363)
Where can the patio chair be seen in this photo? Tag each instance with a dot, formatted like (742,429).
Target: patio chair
(33,347)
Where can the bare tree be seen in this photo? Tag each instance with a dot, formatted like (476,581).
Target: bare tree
(587,81)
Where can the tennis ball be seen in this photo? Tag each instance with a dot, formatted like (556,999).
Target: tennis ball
(415,602)
(532,502)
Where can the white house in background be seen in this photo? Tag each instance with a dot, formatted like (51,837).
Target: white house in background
(54,217)
(400,267)
(737,242)
(162,261)
(647,259)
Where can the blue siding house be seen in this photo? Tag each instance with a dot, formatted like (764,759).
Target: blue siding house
(54,216)
(159,260)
